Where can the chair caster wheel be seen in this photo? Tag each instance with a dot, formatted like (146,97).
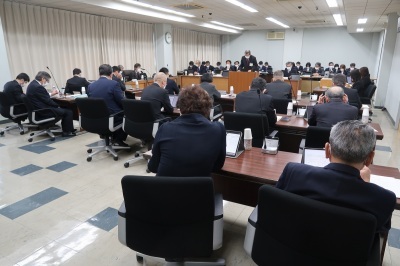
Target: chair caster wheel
(126,165)
(52,139)
(137,154)
(147,170)
(89,159)
(31,134)
(30,140)
(1,133)
(89,151)
(115,158)
(139,259)
(21,133)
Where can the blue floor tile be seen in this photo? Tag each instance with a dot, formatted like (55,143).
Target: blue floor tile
(94,144)
(1,145)
(106,219)
(26,169)
(37,148)
(61,166)
(394,238)
(383,148)
(31,203)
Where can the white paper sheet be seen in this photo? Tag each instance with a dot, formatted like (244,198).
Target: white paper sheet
(315,157)
(389,183)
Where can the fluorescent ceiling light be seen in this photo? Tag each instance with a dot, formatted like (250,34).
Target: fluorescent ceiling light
(332,3)
(239,4)
(338,19)
(215,27)
(360,29)
(277,22)
(226,25)
(158,8)
(362,20)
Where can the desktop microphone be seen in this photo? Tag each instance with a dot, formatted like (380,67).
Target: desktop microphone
(262,119)
(53,78)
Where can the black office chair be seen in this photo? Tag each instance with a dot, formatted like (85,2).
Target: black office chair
(140,122)
(369,94)
(316,137)
(15,112)
(281,105)
(289,229)
(94,117)
(258,123)
(44,118)
(171,217)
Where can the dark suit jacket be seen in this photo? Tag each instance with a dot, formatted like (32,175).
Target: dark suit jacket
(320,71)
(300,69)
(249,102)
(158,98)
(328,114)
(211,90)
(39,97)
(245,65)
(137,75)
(340,185)
(293,70)
(75,84)
(279,90)
(262,68)
(110,91)
(364,83)
(205,69)
(231,68)
(14,92)
(190,145)
(172,87)
(121,83)
(354,99)
(307,70)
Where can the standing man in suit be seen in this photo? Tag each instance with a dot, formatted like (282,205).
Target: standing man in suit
(249,101)
(158,96)
(110,91)
(290,69)
(345,181)
(76,82)
(278,89)
(332,108)
(40,99)
(172,87)
(354,99)
(206,81)
(116,75)
(248,62)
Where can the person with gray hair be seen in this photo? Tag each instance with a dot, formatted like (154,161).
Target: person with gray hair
(158,95)
(278,89)
(248,62)
(345,180)
(290,70)
(354,99)
(332,108)
(254,101)
(206,80)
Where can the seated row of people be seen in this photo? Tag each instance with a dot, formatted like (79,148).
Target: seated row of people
(317,70)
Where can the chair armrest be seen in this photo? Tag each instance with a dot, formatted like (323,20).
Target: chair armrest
(253,217)
(219,206)
(117,113)
(165,119)
(122,210)
(273,133)
(111,126)
(302,146)
(43,120)
(12,110)
(157,123)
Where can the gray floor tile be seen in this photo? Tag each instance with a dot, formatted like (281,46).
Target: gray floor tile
(61,166)
(106,219)
(31,203)
(36,148)
(394,238)
(25,170)
(383,148)
(1,145)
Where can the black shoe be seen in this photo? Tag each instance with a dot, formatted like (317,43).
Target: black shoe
(68,134)
(74,130)
(120,143)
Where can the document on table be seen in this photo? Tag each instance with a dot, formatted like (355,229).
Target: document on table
(315,157)
(389,183)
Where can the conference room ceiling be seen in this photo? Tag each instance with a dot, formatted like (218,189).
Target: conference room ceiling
(312,14)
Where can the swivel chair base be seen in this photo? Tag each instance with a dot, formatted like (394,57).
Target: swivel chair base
(48,131)
(192,262)
(106,147)
(19,126)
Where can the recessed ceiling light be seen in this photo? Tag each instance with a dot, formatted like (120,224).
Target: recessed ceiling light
(226,25)
(332,3)
(215,27)
(158,8)
(360,29)
(362,20)
(239,4)
(338,19)
(277,22)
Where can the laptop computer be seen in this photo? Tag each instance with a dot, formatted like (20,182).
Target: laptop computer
(173,99)
(308,112)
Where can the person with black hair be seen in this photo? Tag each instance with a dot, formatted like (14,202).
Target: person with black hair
(13,89)
(206,80)
(138,73)
(116,75)
(76,82)
(171,87)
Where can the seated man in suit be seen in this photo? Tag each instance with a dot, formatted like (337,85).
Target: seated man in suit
(40,99)
(138,73)
(299,67)
(332,108)
(13,91)
(76,82)
(317,70)
(351,68)
(206,85)
(158,96)
(346,180)
(254,101)
(193,67)
(229,66)
(116,75)
(261,67)
(278,89)
(172,87)
(110,90)
(290,69)
(248,62)
(268,67)
(354,99)
(206,67)
(330,68)
(190,145)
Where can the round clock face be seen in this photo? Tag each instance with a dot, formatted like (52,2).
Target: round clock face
(168,37)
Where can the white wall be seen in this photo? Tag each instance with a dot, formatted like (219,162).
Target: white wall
(163,50)
(5,74)
(293,46)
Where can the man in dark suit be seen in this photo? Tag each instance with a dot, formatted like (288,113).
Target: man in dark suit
(261,67)
(206,67)
(206,81)
(110,90)
(330,68)
(290,70)
(172,87)
(345,181)
(193,67)
(13,89)
(351,68)
(229,66)
(40,99)
(138,73)
(317,70)
(76,82)
(299,67)
(158,96)
(354,99)
(248,62)
(249,101)
(278,89)
(334,110)
(116,75)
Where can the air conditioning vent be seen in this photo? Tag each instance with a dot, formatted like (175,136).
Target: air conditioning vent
(247,25)
(189,6)
(275,35)
(315,21)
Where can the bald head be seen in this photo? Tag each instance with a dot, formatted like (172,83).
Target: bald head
(160,78)
(334,93)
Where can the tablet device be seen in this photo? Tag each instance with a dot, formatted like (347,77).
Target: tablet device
(308,112)
(234,143)
(173,99)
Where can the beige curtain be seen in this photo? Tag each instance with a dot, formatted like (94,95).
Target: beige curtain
(37,37)
(191,45)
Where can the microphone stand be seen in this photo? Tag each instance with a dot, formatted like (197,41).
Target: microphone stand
(53,78)
(262,118)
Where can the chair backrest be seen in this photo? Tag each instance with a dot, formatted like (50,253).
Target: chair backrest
(316,137)
(94,115)
(370,91)
(4,105)
(139,118)
(169,217)
(258,123)
(280,105)
(310,232)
